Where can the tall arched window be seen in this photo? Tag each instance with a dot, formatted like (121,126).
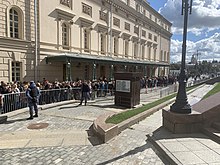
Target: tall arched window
(14,23)
(65,34)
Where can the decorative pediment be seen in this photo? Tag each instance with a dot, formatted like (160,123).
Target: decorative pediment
(143,41)
(85,22)
(64,14)
(135,39)
(149,43)
(126,35)
(154,45)
(115,32)
(102,28)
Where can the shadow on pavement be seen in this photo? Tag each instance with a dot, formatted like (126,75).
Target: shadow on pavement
(15,120)
(163,133)
(131,152)
(94,140)
(108,106)
(66,107)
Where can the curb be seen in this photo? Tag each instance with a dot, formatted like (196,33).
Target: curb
(163,151)
(107,131)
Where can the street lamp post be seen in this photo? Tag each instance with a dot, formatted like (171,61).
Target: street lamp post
(181,104)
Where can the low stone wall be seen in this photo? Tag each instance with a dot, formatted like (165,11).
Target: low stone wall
(107,131)
(104,130)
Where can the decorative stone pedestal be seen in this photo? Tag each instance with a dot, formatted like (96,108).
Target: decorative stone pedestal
(204,113)
(182,123)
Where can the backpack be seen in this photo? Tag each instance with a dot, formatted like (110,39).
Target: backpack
(34,93)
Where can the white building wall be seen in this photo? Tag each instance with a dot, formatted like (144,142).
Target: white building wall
(51,16)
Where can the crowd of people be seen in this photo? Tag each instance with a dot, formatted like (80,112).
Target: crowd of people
(56,91)
(102,84)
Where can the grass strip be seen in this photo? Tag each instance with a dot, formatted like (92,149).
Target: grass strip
(118,118)
(215,90)
(115,119)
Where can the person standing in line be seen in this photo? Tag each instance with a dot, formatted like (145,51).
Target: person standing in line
(85,92)
(33,94)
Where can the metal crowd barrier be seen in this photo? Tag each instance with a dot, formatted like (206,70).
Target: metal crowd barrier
(168,90)
(14,101)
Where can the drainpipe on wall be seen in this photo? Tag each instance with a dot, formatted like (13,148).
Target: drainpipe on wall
(110,30)
(36,40)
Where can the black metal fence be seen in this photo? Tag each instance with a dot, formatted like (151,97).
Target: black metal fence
(13,101)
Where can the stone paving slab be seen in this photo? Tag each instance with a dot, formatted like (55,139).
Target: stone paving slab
(38,138)
(130,147)
(13,143)
(187,149)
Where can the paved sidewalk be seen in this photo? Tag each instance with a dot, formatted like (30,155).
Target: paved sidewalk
(67,139)
(188,149)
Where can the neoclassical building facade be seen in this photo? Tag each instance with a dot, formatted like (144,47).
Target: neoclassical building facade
(81,39)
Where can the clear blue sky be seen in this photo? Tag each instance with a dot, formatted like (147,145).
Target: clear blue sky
(156,4)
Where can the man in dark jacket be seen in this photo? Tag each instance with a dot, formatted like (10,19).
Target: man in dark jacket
(33,94)
(85,92)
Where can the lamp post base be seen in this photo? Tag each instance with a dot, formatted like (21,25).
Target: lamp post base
(183,108)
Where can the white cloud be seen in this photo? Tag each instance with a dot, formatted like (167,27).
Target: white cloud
(205,16)
(208,48)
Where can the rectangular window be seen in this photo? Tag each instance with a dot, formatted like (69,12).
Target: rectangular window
(116,22)
(150,36)
(65,36)
(115,46)
(103,43)
(162,24)
(136,30)
(67,3)
(143,33)
(164,56)
(102,16)
(86,40)
(16,71)
(137,7)
(144,12)
(87,9)
(127,26)
(135,50)
(143,52)
(126,48)
(155,38)
(149,52)
(155,53)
